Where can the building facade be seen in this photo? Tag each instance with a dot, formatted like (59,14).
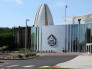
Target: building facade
(71,37)
(45,36)
(19,36)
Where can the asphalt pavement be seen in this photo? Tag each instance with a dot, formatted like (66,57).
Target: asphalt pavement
(35,62)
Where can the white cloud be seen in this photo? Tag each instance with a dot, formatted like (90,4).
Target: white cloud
(16,1)
(60,4)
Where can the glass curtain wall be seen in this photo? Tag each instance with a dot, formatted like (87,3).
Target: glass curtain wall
(82,38)
(74,37)
(78,40)
(78,36)
(88,33)
(69,38)
(33,38)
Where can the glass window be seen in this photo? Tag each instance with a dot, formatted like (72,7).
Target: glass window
(33,38)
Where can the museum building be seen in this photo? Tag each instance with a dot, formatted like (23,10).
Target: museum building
(74,36)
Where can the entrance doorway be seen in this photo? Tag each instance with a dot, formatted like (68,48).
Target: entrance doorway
(89,47)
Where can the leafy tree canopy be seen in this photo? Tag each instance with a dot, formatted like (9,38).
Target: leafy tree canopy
(5,30)
(7,39)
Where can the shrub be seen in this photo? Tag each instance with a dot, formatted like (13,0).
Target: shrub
(30,54)
(64,51)
(2,49)
(7,39)
(51,50)
(43,51)
(27,55)
(20,56)
(46,51)
(8,57)
(23,49)
(14,56)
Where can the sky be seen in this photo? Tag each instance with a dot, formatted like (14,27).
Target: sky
(13,13)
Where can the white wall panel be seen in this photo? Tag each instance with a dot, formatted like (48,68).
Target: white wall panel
(58,32)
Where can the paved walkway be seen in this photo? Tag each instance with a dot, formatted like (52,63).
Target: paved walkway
(59,54)
(80,62)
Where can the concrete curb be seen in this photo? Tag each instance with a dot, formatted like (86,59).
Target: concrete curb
(22,58)
(1,62)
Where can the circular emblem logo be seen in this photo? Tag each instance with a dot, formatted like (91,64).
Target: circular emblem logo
(51,40)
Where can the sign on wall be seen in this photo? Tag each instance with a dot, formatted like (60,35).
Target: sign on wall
(51,40)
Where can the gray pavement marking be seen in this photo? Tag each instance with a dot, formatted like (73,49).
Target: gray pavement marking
(1,65)
(29,66)
(12,66)
(44,66)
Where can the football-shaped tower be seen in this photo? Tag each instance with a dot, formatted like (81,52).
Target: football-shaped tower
(43,16)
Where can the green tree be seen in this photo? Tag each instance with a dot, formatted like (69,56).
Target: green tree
(5,30)
(7,39)
(3,48)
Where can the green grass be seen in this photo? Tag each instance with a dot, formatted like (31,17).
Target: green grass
(52,68)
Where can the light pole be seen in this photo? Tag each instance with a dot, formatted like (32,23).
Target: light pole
(65,12)
(66,28)
(26,35)
(79,20)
